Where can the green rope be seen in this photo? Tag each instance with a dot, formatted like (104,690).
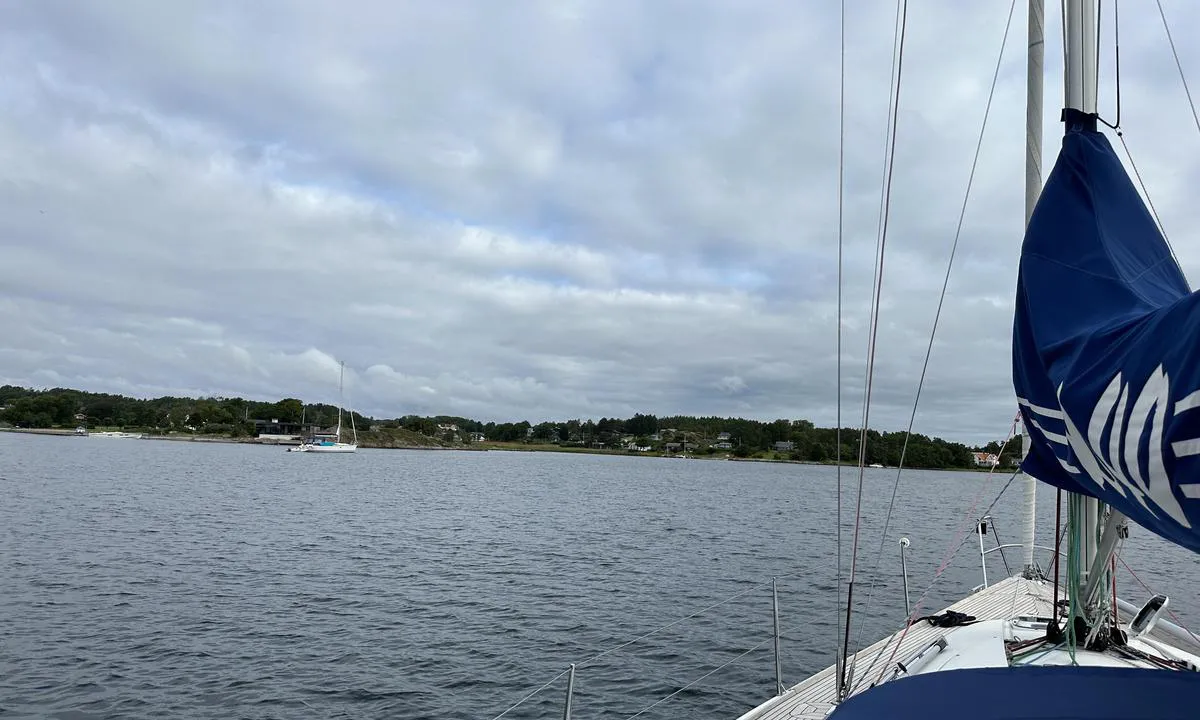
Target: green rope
(1044,652)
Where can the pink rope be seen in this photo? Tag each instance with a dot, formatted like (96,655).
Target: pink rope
(951,551)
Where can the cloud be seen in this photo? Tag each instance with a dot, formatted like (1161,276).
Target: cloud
(527,210)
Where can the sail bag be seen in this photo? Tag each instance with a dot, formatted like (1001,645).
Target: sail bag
(1106,345)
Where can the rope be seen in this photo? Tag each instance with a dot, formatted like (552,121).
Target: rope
(885,207)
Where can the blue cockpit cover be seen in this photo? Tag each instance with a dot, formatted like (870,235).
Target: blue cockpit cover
(1031,693)
(1106,346)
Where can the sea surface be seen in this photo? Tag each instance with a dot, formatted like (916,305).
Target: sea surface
(155,579)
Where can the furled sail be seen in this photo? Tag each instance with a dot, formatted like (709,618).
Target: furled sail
(1106,345)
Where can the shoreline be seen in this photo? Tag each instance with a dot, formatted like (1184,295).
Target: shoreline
(181,437)
(489,446)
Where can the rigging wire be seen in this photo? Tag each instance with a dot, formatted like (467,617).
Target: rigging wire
(1178,65)
(1000,547)
(937,315)
(1146,194)
(841,243)
(885,207)
(1116,124)
(705,676)
(1170,612)
(522,701)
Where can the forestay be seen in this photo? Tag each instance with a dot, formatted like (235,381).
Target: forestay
(1106,345)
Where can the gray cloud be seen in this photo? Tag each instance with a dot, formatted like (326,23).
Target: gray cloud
(526,210)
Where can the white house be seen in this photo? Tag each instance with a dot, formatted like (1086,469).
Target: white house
(983,459)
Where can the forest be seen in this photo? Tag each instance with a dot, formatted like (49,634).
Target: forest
(235,417)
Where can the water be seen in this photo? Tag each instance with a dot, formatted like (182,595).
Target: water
(147,579)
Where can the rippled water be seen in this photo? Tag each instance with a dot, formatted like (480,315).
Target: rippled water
(146,579)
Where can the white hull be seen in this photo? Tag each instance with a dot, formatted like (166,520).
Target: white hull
(334,448)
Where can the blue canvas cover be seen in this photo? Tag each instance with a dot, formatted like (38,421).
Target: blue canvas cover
(1106,346)
(1059,692)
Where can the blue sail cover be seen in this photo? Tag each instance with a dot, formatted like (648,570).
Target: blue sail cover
(1059,692)
(1106,346)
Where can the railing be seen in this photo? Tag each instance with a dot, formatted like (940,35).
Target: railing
(572,668)
(981,529)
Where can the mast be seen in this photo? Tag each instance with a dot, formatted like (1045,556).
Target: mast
(1033,106)
(341,377)
(1080,89)
(1033,189)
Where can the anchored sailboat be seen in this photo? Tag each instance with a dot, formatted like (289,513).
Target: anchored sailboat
(333,444)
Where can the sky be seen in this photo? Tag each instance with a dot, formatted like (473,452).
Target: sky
(536,209)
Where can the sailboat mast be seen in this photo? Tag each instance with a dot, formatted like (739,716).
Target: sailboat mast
(1080,89)
(1081,75)
(341,377)
(1033,188)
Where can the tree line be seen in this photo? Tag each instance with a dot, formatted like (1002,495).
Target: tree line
(783,438)
(67,408)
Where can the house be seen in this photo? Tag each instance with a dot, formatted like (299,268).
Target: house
(985,459)
(447,427)
(723,445)
(724,437)
(476,437)
(274,431)
(784,446)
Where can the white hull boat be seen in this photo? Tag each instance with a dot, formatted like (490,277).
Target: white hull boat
(334,447)
(333,444)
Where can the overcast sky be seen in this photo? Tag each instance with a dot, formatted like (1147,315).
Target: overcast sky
(531,210)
